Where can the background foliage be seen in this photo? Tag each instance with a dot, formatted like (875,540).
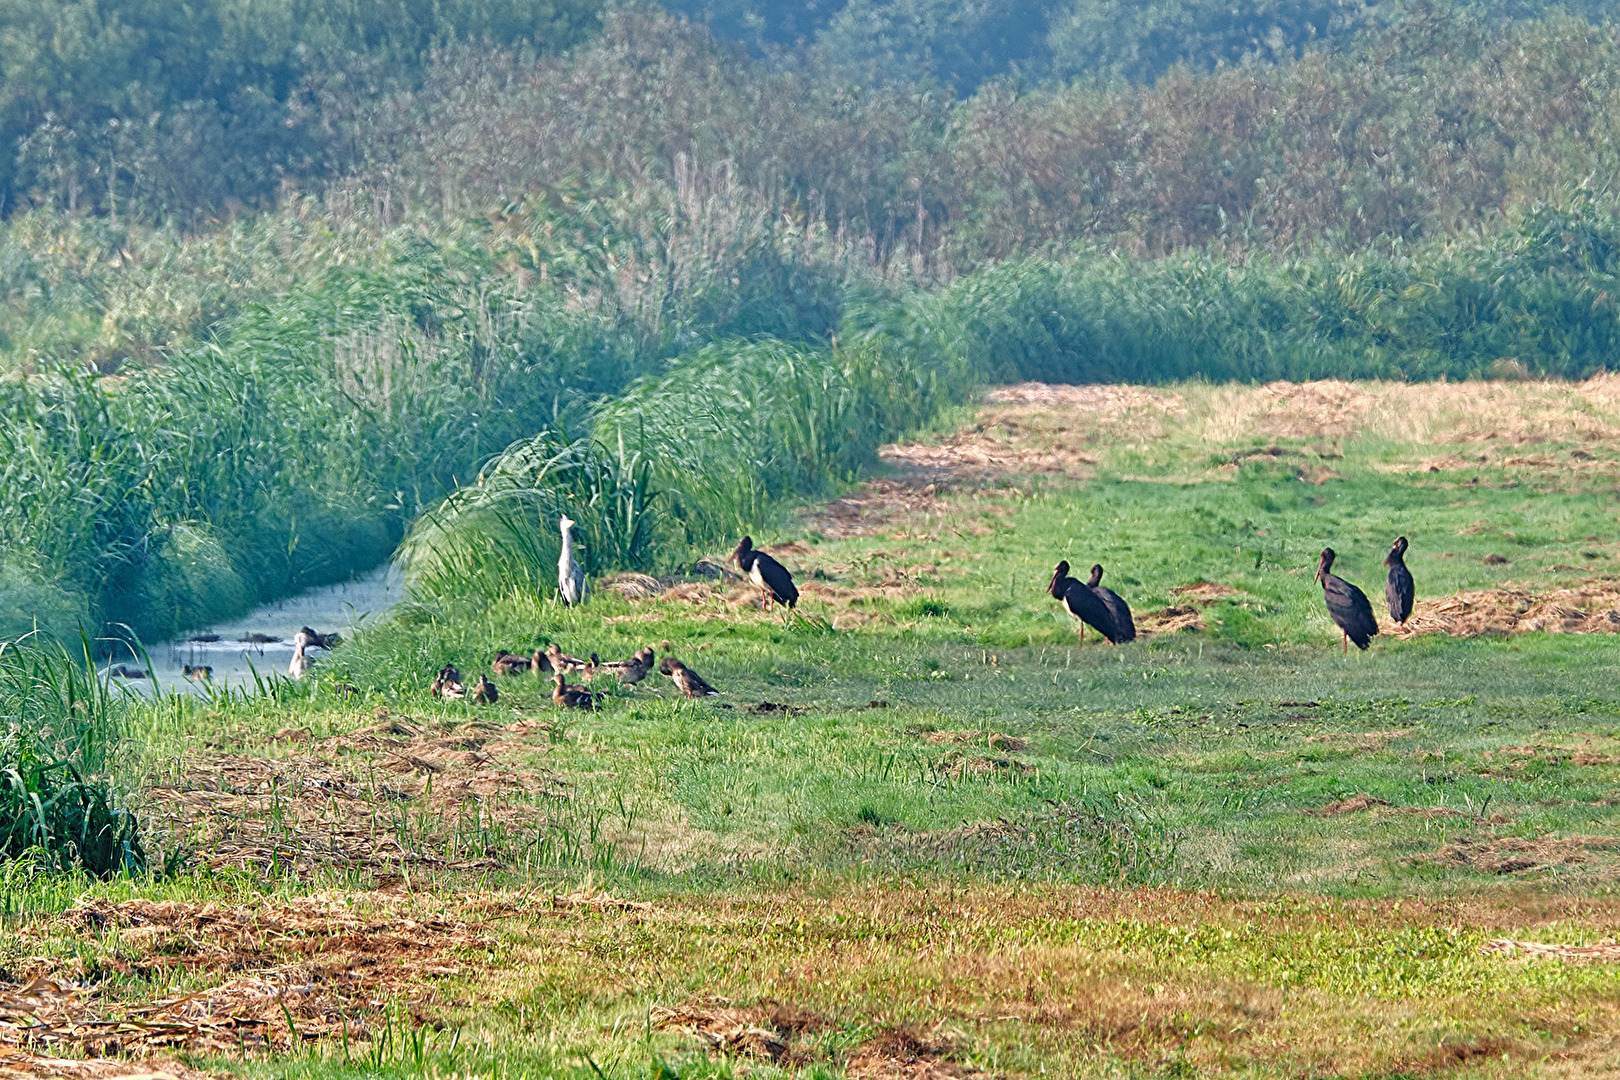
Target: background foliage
(275,279)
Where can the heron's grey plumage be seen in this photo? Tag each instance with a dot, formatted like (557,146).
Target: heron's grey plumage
(570,575)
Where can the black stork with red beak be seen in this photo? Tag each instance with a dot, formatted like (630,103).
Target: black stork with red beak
(1083,603)
(767,573)
(1124,625)
(1346,604)
(1399,590)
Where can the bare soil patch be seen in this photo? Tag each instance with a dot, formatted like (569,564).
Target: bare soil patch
(1593,607)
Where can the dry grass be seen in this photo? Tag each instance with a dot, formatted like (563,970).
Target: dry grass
(1033,428)
(1592,607)
(274,975)
(1518,854)
(360,800)
(882,982)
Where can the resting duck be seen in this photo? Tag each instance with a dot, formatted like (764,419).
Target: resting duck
(562,662)
(484,692)
(506,663)
(448,684)
(571,697)
(633,670)
(197,672)
(767,573)
(691,683)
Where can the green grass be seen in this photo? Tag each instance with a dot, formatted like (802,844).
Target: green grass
(971,836)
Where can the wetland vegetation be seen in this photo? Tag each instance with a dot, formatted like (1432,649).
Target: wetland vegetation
(925,297)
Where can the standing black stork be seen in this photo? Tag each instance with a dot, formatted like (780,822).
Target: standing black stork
(1124,625)
(1399,590)
(1082,603)
(1347,604)
(767,573)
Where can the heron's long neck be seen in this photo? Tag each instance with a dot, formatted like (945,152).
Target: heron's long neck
(568,545)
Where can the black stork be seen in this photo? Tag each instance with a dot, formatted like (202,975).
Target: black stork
(1347,604)
(767,573)
(1399,590)
(1124,625)
(1082,603)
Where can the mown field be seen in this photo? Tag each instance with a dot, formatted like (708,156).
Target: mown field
(924,832)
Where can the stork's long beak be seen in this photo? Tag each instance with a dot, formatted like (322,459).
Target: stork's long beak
(1318,577)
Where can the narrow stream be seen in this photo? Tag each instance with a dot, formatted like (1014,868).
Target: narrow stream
(262,640)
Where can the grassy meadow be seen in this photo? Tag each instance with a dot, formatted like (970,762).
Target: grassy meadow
(924,831)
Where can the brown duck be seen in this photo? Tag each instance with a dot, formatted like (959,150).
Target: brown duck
(571,697)
(561,661)
(633,670)
(506,663)
(447,684)
(484,692)
(691,683)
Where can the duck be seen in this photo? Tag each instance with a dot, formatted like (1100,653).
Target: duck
(570,697)
(690,682)
(570,575)
(506,663)
(320,640)
(1124,625)
(447,684)
(197,672)
(633,670)
(124,671)
(1346,604)
(771,576)
(1082,602)
(484,692)
(1399,589)
(561,661)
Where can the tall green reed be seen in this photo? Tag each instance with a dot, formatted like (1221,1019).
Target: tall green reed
(64,727)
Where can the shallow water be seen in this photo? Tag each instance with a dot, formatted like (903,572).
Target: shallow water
(344,608)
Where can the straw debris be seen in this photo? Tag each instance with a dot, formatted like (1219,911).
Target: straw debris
(300,970)
(1593,607)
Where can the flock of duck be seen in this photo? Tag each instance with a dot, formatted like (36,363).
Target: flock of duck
(1090,601)
(769,575)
